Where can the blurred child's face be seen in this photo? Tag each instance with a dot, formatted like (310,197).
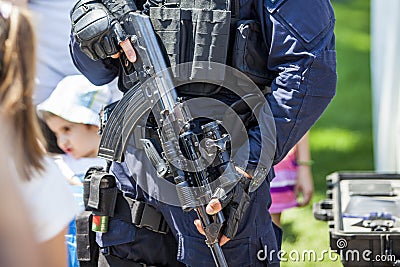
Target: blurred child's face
(76,139)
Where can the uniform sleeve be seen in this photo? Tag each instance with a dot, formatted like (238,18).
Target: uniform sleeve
(301,42)
(98,72)
(50,202)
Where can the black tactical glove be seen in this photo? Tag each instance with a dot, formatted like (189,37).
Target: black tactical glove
(96,30)
(238,200)
(234,204)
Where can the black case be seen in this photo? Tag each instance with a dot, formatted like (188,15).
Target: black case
(363,211)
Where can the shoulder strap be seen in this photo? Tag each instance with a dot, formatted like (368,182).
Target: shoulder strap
(261,17)
(235,10)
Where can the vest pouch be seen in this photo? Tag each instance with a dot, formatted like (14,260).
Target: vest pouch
(100,192)
(195,36)
(249,52)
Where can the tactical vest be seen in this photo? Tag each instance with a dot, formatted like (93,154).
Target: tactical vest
(205,31)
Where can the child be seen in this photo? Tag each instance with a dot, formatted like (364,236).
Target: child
(292,176)
(72,113)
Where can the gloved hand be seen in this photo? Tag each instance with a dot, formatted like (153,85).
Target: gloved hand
(120,9)
(234,205)
(96,30)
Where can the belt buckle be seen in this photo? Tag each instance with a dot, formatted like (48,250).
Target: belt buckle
(153,221)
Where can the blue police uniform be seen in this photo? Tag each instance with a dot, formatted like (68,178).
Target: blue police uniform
(301,56)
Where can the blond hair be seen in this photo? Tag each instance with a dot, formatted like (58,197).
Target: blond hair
(17,77)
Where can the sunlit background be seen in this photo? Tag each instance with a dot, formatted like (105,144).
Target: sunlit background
(342,138)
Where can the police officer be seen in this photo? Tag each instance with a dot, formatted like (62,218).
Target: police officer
(295,60)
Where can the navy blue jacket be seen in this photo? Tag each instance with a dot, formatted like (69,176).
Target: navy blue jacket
(300,40)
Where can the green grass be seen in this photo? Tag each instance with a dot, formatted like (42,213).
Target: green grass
(342,138)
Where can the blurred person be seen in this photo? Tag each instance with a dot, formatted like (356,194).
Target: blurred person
(49,202)
(15,235)
(53,60)
(292,177)
(53,63)
(72,114)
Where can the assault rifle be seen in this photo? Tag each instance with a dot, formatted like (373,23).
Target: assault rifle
(182,156)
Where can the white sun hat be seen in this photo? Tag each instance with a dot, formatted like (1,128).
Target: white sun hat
(77,100)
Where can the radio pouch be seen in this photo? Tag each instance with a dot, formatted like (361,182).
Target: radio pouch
(99,192)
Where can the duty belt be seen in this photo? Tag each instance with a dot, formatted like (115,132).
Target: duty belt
(141,214)
(115,261)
